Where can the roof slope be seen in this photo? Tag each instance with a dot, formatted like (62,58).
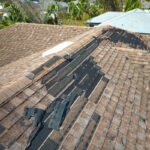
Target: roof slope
(107,82)
(20,40)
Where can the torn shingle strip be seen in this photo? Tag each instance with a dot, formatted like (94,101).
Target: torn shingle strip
(69,120)
(38,70)
(62,84)
(85,84)
(34,112)
(64,64)
(51,61)
(75,62)
(47,64)
(57,116)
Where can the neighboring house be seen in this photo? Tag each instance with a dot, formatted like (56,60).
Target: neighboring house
(135,20)
(3,11)
(62,5)
(145,4)
(32,9)
(1,6)
(102,18)
(36,9)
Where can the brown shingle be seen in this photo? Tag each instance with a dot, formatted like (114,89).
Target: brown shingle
(121,100)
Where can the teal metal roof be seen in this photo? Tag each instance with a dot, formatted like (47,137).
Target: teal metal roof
(136,21)
(104,17)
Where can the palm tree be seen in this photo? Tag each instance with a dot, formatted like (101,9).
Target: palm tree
(15,15)
(52,14)
(114,5)
(76,10)
(94,11)
(73,10)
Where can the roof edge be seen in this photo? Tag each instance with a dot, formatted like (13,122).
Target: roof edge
(7,92)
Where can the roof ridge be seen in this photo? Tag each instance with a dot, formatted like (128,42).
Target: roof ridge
(49,25)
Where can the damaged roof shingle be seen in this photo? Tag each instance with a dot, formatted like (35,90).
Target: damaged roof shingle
(110,109)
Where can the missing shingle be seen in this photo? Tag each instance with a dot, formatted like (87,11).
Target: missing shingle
(89,132)
(129,78)
(51,61)
(131,101)
(49,144)
(144,120)
(132,45)
(105,79)
(96,117)
(1,147)
(142,66)
(38,70)
(2,129)
(104,31)
(57,85)
(91,57)
(76,76)
(127,58)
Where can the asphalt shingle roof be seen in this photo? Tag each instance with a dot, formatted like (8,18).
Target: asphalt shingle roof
(22,46)
(110,81)
(20,40)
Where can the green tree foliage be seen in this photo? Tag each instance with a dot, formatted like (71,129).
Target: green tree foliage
(15,15)
(52,14)
(7,4)
(132,4)
(94,11)
(6,22)
(73,10)
(6,1)
(112,5)
(83,8)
